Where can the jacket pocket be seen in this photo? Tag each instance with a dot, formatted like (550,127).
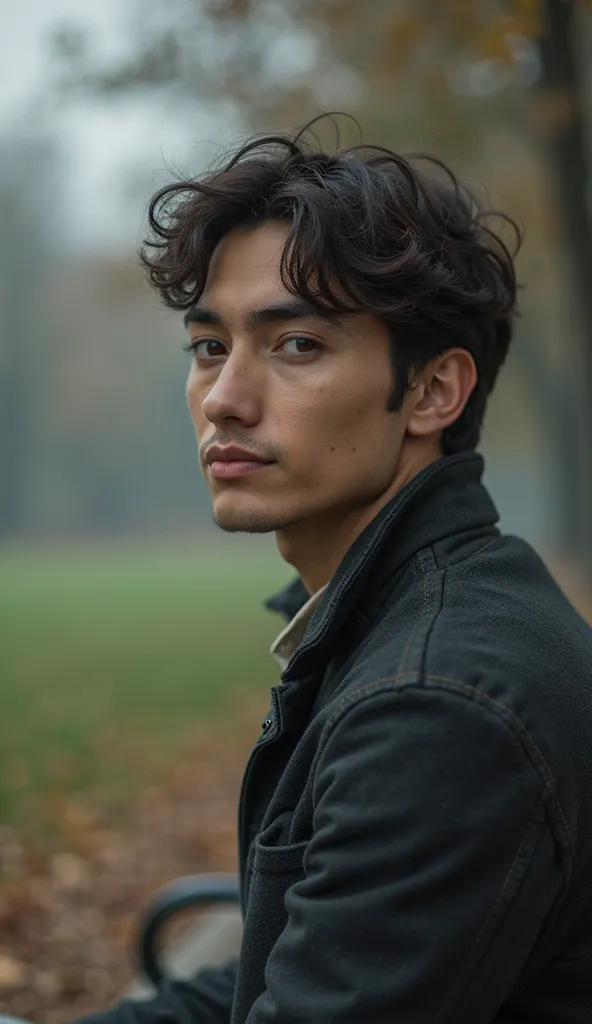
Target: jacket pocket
(273,854)
(276,865)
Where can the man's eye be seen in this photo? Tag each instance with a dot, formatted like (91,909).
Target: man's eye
(301,346)
(196,345)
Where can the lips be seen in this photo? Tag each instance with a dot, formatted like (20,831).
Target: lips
(225,469)
(232,453)
(231,462)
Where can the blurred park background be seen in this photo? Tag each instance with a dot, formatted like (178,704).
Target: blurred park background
(134,664)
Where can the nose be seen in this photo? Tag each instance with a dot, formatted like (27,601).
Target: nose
(234,395)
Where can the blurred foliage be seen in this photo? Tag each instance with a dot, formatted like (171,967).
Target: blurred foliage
(105,444)
(24,262)
(270,57)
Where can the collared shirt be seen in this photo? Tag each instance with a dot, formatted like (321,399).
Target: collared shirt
(286,643)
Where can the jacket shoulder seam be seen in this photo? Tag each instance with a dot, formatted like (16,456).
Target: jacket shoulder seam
(402,680)
(426,598)
(458,562)
(528,741)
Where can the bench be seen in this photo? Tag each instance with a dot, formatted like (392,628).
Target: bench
(217,937)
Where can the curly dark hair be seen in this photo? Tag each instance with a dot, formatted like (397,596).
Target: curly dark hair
(371,231)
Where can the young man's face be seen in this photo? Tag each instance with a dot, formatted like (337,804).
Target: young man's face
(307,395)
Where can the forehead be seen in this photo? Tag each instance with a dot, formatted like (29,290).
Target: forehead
(245,267)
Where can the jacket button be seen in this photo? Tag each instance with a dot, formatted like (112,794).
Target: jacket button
(266,725)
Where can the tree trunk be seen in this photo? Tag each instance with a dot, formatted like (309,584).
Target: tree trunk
(563,90)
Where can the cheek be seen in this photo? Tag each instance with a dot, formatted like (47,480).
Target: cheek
(341,430)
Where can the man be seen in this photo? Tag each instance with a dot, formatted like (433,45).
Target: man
(416,817)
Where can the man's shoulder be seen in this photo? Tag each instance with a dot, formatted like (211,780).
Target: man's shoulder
(492,628)
(486,621)
(505,626)
(488,614)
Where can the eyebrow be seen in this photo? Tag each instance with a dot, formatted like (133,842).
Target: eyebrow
(291,309)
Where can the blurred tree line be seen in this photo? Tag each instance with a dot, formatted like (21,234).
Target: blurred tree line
(93,435)
(499,88)
(24,258)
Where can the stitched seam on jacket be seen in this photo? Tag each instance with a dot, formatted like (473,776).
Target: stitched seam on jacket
(423,612)
(479,550)
(400,679)
(472,554)
(456,986)
(528,739)
(345,683)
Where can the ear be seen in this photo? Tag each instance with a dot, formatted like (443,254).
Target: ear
(441,393)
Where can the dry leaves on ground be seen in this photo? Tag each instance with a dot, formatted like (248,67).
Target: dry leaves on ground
(68,919)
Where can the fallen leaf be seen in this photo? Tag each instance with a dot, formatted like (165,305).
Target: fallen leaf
(69,871)
(13,972)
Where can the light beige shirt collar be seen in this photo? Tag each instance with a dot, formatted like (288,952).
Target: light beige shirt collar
(286,643)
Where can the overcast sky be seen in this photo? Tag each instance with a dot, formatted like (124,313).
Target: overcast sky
(104,142)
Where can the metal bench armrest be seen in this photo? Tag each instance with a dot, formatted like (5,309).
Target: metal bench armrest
(189,891)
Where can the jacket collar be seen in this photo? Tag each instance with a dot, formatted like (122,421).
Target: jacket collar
(290,600)
(445,498)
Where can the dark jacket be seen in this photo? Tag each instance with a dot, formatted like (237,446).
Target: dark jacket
(416,815)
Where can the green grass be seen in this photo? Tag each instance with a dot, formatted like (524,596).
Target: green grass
(111,656)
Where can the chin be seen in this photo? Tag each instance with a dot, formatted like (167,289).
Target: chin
(243,520)
(243,524)
(232,518)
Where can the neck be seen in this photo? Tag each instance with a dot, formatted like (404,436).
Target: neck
(316,546)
